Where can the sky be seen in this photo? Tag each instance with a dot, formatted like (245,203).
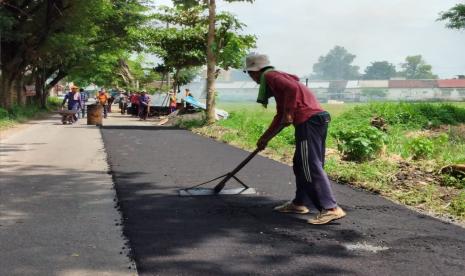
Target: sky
(295,33)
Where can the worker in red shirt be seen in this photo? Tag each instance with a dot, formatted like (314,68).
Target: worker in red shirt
(135,103)
(297,105)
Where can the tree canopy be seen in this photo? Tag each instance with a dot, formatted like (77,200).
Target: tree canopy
(181,39)
(380,70)
(336,65)
(52,38)
(415,67)
(455,17)
(212,50)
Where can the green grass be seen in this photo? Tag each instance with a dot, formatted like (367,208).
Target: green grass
(19,114)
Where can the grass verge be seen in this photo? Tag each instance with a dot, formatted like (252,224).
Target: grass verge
(20,114)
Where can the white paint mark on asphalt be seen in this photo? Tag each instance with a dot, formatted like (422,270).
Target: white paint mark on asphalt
(363,246)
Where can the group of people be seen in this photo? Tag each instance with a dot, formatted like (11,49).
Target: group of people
(77,99)
(135,103)
(138,103)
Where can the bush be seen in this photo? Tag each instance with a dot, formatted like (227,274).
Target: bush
(452,181)
(420,147)
(4,114)
(410,115)
(360,142)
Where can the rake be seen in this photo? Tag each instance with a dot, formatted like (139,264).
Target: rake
(197,190)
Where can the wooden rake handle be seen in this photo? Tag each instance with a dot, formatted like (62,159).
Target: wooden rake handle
(230,175)
(220,185)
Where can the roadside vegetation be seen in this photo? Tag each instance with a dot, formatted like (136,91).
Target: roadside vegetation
(20,114)
(411,153)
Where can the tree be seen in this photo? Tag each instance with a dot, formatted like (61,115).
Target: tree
(103,69)
(141,71)
(455,17)
(181,44)
(186,76)
(336,65)
(211,53)
(380,70)
(415,67)
(50,38)
(95,50)
(24,27)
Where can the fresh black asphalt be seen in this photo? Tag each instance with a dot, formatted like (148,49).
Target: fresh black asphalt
(240,235)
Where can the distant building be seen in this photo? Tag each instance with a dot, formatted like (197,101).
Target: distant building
(413,90)
(350,91)
(453,90)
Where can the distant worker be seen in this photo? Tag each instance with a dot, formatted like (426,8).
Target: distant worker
(135,104)
(144,105)
(123,102)
(111,99)
(188,94)
(296,104)
(102,99)
(84,98)
(173,102)
(74,101)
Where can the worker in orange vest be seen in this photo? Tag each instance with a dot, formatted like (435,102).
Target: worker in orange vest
(103,100)
(173,102)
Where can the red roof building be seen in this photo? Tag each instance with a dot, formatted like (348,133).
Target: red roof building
(413,84)
(455,83)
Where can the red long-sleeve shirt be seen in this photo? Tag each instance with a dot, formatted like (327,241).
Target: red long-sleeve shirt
(292,98)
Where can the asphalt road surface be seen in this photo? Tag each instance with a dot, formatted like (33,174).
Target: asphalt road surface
(240,235)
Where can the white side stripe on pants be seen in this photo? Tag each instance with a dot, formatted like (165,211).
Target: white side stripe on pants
(304,157)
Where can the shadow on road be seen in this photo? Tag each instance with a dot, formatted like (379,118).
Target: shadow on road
(57,223)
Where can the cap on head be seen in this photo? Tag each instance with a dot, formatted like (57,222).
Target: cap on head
(74,87)
(256,62)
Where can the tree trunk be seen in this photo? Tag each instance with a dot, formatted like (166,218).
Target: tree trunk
(5,92)
(20,92)
(176,81)
(162,81)
(8,90)
(211,63)
(43,90)
(41,95)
